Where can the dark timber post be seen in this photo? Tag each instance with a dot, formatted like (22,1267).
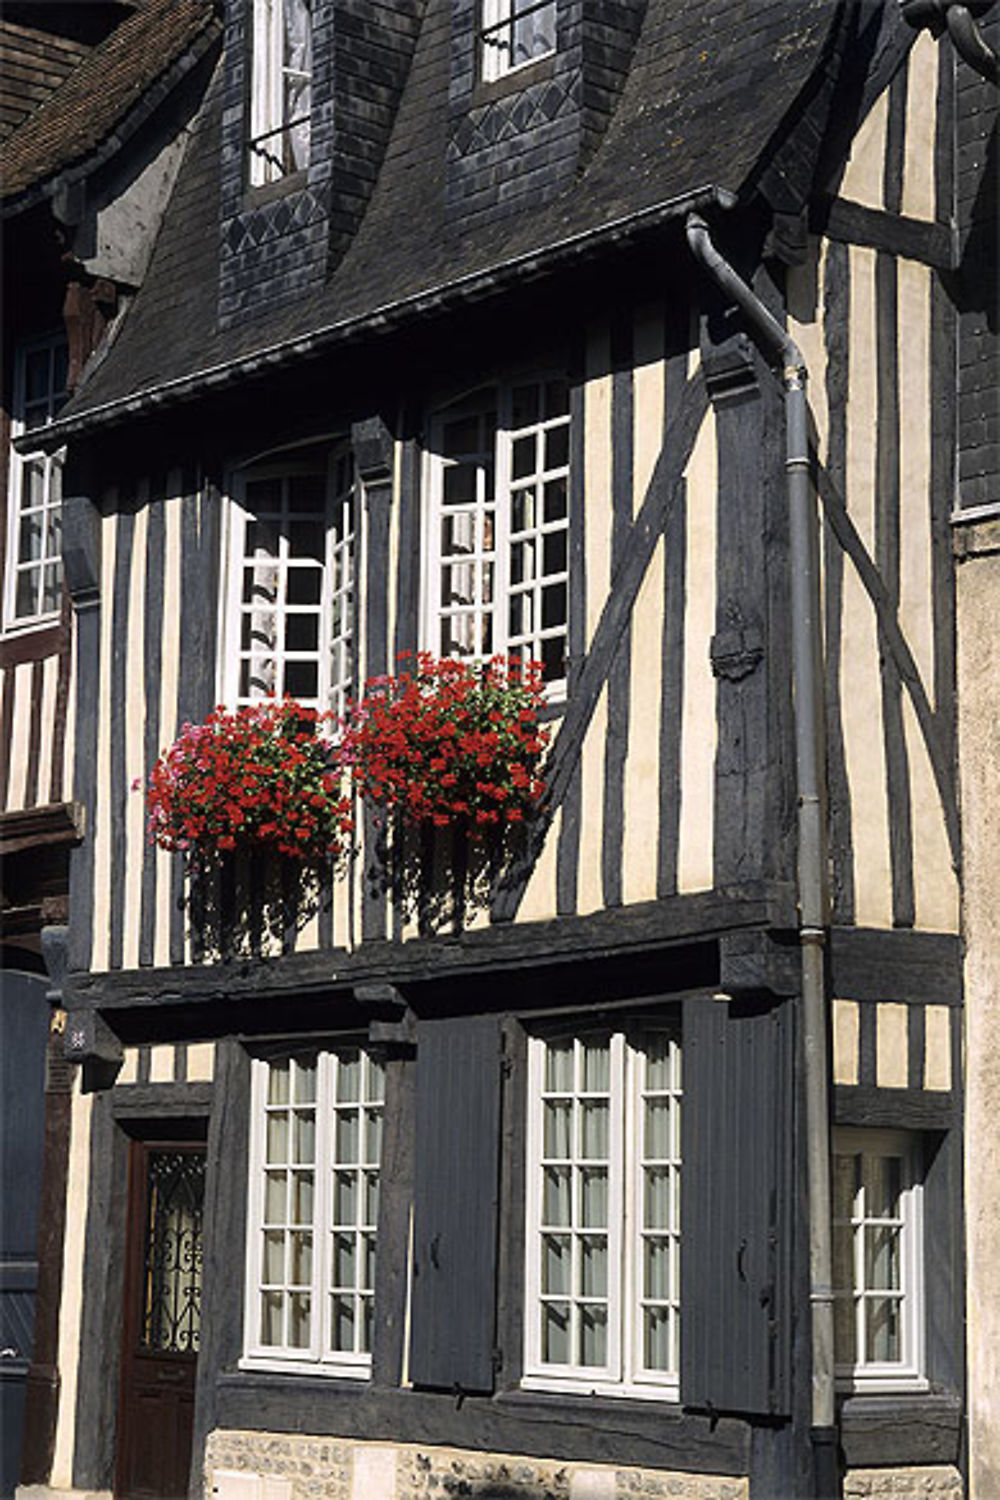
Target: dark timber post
(373,457)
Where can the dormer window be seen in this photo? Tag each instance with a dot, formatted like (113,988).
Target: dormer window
(516,33)
(280,89)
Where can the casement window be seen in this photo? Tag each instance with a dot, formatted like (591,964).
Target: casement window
(291,580)
(878,1261)
(516,33)
(33,583)
(280,89)
(315,1150)
(602,1275)
(498,579)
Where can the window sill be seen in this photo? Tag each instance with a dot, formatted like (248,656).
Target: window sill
(485,91)
(531,1397)
(252,1364)
(30,642)
(258,194)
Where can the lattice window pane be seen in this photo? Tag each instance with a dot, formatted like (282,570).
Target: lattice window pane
(33,586)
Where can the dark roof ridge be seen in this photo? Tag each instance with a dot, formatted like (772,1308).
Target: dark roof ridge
(466,289)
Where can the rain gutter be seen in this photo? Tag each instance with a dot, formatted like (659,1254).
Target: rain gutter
(781,349)
(384,319)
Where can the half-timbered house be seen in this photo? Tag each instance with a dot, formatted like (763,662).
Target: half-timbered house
(624,338)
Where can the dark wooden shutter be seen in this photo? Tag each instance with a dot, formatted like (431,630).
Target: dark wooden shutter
(735,1212)
(455,1211)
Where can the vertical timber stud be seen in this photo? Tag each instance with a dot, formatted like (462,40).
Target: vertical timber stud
(373,447)
(81,544)
(456,1190)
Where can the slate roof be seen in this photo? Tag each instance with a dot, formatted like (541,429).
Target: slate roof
(712,86)
(92,103)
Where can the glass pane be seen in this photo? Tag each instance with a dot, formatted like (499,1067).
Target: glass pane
(347,1136)
(307,539)
(522,561)
(657,1198)
(593,1335)
(376,1081)
(270,1318)
(302,1198)
(345,1198)
(373,1134)
(558,1117)
(51,586)
(555,500)
(277,1138)
(274,1256)
(594,1121)
(371,1198)
(274,1198)
(556,391)
(882,1184)
(882,1329)
(554,558)
(523,457)
(302,679)
(594,1198)
(342,1324)
(303,585)
(521,614)
(656,1339)
(596,1067)
(298,1320)
(594,1267)
(656,1280)
(344,1266)
(556,1263)
(277,1083)
(881,1258)
(522,510)
(555,1333)
(657,1143)
(553,605)
(301,632)
(30,547)
(461,436)
(300,1259)
(304,1136)
(36,374)
(554,659)
(557,447)
(26,595)
(559,1067)
(262,539)
(349,1078)
(556,1196)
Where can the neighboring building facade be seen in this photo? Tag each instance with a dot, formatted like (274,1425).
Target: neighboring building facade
(501,1187)
(93,101)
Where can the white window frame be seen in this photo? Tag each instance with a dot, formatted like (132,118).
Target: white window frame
(20,466)
(623,1372)
(318,1357)
(269,71)
(906,1373)
(335,656)
(495,535)
(497,36)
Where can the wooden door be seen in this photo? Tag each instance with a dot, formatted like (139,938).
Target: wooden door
(162,1317)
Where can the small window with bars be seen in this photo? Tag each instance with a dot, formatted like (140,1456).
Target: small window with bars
(603,1214)
(316,1146)
(498,575)
(516,33)
(292,584)
(280,89)
(878,1278)
(33,583)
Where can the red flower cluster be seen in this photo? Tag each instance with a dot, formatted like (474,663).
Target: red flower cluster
(450,741)
(259,777)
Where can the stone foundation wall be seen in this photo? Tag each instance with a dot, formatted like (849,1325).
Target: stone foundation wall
(931,1482)
(266,1466)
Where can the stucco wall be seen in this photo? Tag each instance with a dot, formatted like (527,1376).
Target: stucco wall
(978,550)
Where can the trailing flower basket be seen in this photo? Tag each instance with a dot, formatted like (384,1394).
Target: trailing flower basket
(257,780)
(450,744)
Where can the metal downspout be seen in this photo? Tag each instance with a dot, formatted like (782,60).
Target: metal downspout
(812,853)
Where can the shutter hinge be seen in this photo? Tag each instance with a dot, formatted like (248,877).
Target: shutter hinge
(506,1066)
(496,1360)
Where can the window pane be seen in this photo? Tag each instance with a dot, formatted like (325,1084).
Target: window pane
(274,1257)
(300,1259)
(559,1067)
(30,547)
(596,1067)
(882,1176)
(302,1198)
(558,1119)
(557,446)
(275,1198)
(882,1330)
(881,1259)
(593,1335)
(657,1351)
(523,461)
(304,1133)
(277,1083)
(556,1263)
(594,1198)
(594,1135)
(555,501)
(345,1200)
(271,1331)
(594,1267)
(555,1333)
(349,1078)
(524,405)
(342,1324)
(346,1147)
(556,1196)
(299,1320)
(277,1138)
(344,1268)
(301,633)
(656,1281)
(302,679)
